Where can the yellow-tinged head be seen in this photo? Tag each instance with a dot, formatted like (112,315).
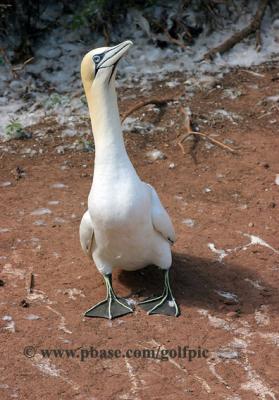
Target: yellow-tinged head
(100,64)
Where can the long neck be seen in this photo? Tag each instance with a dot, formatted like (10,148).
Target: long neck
(105,120)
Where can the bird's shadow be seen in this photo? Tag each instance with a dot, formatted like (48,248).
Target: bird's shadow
(196,282)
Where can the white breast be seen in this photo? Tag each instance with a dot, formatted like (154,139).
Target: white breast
(120,208)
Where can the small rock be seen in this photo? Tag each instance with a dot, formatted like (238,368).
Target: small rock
(251,224)
(227,354)
(172,165)
(277,179)
(156,155)
(29,152)
(39,222)
(58,186)
(7,318)
(59,220)
(228,141)
(231,314)
(227,297)
(207,190)
(32,317)
(60,149)
(189,222)
(2,283)
(5,184)
(41,211)
(209,145)
(24,303)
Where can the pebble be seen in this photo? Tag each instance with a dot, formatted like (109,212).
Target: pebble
(58,186)
(7,318)
(227,297)
(227,354)
(24,303)
(41,211)
(40,222)
(228,141)
(5,184)
(59,220)
(209,145)
(32,317)
(156,155)
(277,179)
(60,149)
(189,222)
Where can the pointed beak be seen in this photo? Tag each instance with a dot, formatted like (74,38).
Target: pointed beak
(113,55)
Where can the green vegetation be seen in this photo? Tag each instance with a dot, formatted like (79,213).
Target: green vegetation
(54,100)
(14,130)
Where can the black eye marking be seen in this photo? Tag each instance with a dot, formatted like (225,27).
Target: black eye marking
(97,59)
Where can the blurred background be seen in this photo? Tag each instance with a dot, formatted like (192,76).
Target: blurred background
(42,44)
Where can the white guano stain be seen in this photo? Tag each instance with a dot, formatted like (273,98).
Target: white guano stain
(254,240)
(255,383)
(133,377)
(48,368)
(62,323)
(261,316)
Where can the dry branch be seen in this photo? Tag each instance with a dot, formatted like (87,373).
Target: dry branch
(154,100)
(190,132)
(253,27)
(31,283)
(205,136)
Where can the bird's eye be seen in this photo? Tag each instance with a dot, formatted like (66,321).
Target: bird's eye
(96,59)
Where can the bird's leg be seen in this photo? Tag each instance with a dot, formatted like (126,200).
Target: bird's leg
(164,304)
(112,306)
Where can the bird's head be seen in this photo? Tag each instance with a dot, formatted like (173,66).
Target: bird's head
(99,65)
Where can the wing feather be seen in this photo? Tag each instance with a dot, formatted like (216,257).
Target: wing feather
(86,234)
(160,218)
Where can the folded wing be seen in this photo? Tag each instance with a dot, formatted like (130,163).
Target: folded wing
(86,234)
(160,218)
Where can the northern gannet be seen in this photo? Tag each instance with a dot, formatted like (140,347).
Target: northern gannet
(125,225)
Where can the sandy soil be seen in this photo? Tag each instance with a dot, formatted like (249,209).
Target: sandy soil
(232,247)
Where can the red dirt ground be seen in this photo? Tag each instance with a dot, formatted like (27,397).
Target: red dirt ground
(241,336)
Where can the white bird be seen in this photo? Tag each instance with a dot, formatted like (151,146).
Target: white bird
(125,225)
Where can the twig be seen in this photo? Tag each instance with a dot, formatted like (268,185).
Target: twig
(253,73)
(154,100)
(237,37)
(190,132)
(179,42)
(20,67)
(205,136)
(32,283)
(188,126)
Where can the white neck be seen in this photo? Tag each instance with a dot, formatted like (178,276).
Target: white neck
(106,125)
